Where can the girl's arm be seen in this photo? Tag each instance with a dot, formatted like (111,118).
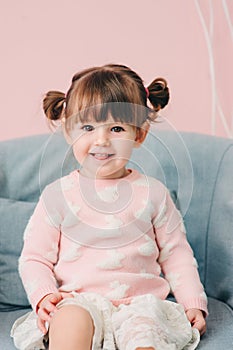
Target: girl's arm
(40,252)
(176,258)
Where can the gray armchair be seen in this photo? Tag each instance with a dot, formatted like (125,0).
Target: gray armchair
(197,169)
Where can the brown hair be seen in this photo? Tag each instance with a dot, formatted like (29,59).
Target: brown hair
(103,87)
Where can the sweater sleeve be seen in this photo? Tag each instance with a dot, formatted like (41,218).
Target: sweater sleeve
(176,257)
(40,252)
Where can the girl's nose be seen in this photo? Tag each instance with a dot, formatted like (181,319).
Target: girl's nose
(102,137)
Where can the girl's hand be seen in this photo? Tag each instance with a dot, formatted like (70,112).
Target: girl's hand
(197,320)
(47,306)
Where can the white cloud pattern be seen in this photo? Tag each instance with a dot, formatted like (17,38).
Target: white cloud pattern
(53,219)
(113,260)
(31,286)
(174,280)
(72,254)
(148,248)
(119,290)
(161,218)
(182,227)
(203,296)
(145,212)
(111,229)
(109,194)
(195,263)
(165,252)
(70,220)
(147,275)
(67,183)
(113,222)
(70,287)
(142,181)
(52,254)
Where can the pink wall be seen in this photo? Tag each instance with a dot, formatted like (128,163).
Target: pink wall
(43,43)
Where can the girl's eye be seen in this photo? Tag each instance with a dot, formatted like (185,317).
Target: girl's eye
(87,128)
(117,129)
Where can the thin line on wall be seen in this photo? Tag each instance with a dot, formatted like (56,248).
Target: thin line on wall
(215,105)
(211,25)
(211,66)
(228,18)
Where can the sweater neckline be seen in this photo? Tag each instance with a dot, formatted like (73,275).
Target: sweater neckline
(133,174)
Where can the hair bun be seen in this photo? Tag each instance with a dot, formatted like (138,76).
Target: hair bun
(53,104)
(159,93)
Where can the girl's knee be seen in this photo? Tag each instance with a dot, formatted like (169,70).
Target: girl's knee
(72,314)
(71,327)
(72,320)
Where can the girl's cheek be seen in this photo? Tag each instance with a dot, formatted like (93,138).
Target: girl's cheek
(123,145)
(78,155)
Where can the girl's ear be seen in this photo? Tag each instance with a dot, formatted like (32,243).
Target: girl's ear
(141,134)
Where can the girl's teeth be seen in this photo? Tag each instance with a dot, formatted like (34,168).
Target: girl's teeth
(101,156)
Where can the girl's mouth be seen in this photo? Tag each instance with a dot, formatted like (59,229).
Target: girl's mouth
(102,156)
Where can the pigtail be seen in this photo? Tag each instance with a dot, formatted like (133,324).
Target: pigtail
(158,93)
(53,105)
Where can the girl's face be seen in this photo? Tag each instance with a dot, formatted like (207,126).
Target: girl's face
(103,148)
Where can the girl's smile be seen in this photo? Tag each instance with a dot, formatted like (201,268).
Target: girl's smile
(104,148)
(101,156)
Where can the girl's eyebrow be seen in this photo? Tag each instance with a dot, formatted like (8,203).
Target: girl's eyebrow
(101,123)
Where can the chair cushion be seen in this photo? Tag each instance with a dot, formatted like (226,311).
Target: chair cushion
(6,321)
(14,217)
(219,333)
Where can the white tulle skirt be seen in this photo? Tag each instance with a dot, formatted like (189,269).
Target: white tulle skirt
(145,322)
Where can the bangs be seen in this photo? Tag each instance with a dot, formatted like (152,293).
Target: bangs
(104,94)
(122,112)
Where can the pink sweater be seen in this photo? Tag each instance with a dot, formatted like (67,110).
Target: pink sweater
(112,237)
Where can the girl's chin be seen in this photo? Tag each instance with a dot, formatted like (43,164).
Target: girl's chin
(102,173)
(112,169)
(116,174)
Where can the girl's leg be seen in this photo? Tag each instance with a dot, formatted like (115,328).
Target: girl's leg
(71,328)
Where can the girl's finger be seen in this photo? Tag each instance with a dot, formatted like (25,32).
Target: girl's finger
(66,295)
(200,325)
(55,298)
(41,325)
(49,307)
(43,314)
